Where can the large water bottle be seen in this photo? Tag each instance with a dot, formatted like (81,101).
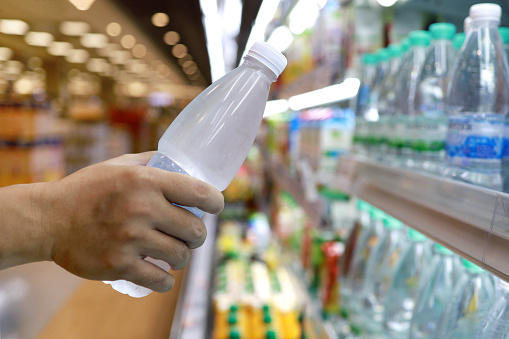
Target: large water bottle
(406,87)
(211,137)
(497,322)
(435,291)
(477,103)
(377,278)
(430,125)
(468,305)
(405,284)
(504,34)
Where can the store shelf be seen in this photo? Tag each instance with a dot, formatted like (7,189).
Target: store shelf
(193,308)
(470,220)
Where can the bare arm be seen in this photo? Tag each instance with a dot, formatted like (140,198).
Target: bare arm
(99,223)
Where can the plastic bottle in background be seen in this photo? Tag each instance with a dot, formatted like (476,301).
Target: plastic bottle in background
(394,139)
(504,34)
(430,124)
(467,24)
(375,130)
(369,74)
(469,304)
(211,137)
(497,321)
(477,103)
(406,87)
(386,100)
(435,291)
(408,275)
(457,43)
(377,278)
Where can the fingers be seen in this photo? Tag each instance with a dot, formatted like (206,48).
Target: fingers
(139,159)
(161,246)
(185,190)
(148,275)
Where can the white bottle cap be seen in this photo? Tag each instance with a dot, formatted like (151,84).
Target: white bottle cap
(269,56)
(486,12)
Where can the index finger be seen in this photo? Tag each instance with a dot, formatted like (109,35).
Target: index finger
(187,191)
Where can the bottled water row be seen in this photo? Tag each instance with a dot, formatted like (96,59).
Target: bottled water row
(402,285)
(438,101)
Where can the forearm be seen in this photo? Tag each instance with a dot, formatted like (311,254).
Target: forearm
(24,236)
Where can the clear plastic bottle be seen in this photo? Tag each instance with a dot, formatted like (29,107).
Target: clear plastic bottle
(211,137)
(435,291)
(377,277)
(430,125)
(469,304)
(497,322)
(504,34)
(408,275)
(477,103)
(457,43)
(406,87)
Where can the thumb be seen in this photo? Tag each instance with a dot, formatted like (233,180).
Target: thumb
(139,159)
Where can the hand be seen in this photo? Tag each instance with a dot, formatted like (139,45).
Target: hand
(100,222)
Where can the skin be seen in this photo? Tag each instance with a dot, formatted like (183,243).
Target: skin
(100,222)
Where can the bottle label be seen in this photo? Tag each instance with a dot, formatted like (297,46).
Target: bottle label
(475,138)
(505,148)
(429,134)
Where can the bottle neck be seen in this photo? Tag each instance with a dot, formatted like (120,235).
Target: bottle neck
(476,24)
(258,66)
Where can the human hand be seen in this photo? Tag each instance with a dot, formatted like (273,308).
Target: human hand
(104,219)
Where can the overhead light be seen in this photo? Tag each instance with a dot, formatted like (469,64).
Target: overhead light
(42,39)
(96,65)
(77,56)
(171,38)
(108,49)
(59,48)
(139,51)
(128,41)
(113,29)
(179,50)
(303,16)
(386,3)
(335,93)
(281,38)
(5,53)
(213,33)
(74,28)
(119,57)
(275,107)
(14,27)
(82,5)
(160,19)
(265,15)
(94,40)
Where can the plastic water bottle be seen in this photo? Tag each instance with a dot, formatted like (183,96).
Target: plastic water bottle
(405,284)
(210,139)
(504,34)
(435,291)
(477,103)
(497,322)
(457,43)
(469,304)
(377,278)
(406,87)
(430,125)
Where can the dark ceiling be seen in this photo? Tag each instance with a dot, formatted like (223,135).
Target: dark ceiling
(185,19)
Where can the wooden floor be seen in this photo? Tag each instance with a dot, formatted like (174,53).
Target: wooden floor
(96,311)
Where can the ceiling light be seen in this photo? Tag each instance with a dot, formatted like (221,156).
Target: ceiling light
(94,40)
(119,57)
(5,53)
(179,50)
(281,38)
(386,3)
(82,5)
(275,107)
(265,15)
(113,29)
(77,56)
(160,19)
(213,34)
(74,28)
(171,38)
(343,91)
(14,27)
(59,48)
(108,49)
(42,39)
(128,41)
(303,16)
(96,65)
(139,51)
